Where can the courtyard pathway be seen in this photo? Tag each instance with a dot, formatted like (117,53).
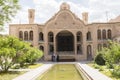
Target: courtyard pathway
(31,75)
(93,73)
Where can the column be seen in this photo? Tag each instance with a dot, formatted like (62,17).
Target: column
(55,43)
(75,46)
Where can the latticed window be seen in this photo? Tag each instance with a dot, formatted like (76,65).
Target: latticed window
(79,36)
(21,35)
(89,52)
(41,36)
(99,34)
(79,49)
(25,35)
(89,36)
(41,48)
(31,35)
(104,45)
(109,33)
(51,49)
(104,34)
(50,36)
(99,47)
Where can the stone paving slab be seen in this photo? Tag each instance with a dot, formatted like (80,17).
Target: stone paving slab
(31,75)
(94,74)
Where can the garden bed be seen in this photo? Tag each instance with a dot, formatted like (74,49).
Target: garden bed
(103,69)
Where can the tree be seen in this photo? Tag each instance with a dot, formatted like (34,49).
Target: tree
(13,51)
(6,55)
(8,9)
(111,54)
(32,55)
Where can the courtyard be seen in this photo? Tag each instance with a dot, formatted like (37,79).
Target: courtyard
(59,40)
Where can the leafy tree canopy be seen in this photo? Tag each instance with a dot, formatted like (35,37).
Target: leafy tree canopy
(8,9)
(13,51)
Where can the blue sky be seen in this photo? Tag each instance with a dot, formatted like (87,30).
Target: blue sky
(45,9)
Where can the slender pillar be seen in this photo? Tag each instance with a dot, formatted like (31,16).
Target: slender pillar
(75,47)
(55,43)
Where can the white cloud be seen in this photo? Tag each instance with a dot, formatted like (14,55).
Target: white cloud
(45,9)
(21,16)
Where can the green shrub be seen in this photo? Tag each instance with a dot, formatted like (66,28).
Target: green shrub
(116,72)
(17,66)
(101,68)
(109,65)
(99,59)
(96,66)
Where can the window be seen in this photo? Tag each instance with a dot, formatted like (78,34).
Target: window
(99,47)
(104,45)
(99,34)
(25,35)
(79,49)
(51,49)
(89,52)
(41,48)
(89,36)
(104,34)
(41,36)
(50,37)
(21,35)
(79,36)
(31,35)
(109,34)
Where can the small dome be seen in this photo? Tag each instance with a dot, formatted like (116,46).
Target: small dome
(64,6)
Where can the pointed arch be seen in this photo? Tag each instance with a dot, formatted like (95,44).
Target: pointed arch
(89,36)
(104,45)
(99,47)
(104,34)
(89,52)
(99,34)
(79,36)
(25,35)
(41,48)
(79,49)
(41,37)
(50,37)
(31,35)
(21,35)
(109,34)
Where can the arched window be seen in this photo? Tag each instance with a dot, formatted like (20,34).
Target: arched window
(21,35)
(89,52)
(50,37)
(99,34)
(79,36)
(79,49)
(109,34)
(51,49)
(31,35)
(104,45)
(99,47)
(41,48)
(25,35)
(89,36)
(41,36)
(104,34)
